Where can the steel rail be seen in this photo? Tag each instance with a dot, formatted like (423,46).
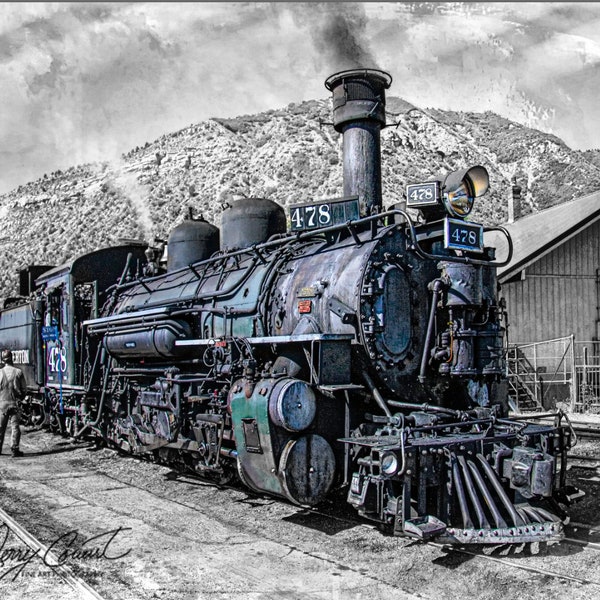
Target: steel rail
(354,521)
(357,522)
(50,480)
(78,584)
(509,563)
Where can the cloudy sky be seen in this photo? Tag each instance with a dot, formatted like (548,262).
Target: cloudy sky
(81,82)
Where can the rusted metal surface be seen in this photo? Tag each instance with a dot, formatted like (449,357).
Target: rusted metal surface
(359,114)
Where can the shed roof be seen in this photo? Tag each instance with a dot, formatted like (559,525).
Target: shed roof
(538,234)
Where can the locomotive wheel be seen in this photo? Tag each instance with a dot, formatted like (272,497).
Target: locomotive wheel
(56,424)
(38,418)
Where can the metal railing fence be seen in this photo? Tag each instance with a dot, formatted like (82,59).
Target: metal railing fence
(536,369)
(586,396)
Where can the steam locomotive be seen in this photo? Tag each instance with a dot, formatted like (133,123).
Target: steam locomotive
(340,347)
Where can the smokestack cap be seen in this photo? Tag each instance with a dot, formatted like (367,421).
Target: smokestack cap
(358,95)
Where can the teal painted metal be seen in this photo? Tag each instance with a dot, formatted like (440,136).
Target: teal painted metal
(250,418)
(270,458)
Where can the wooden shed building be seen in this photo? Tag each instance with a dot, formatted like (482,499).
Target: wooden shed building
(552,292)
(552,284)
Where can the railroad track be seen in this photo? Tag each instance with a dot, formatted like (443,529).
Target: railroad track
(88,593)
(587,431)
(37,548)
(583,429)
(522,567)
(583,461)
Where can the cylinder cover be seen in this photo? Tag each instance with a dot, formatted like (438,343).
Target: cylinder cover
(292,404)
(307,468)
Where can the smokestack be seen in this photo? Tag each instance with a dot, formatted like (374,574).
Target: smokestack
(514,202)
(359,114)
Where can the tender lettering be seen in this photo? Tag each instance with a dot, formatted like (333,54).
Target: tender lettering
(20,357)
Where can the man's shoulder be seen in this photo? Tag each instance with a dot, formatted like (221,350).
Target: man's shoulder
(10,370)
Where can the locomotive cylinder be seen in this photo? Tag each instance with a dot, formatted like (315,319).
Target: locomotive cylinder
(359,114)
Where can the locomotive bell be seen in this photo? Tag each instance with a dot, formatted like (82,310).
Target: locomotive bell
(359,114)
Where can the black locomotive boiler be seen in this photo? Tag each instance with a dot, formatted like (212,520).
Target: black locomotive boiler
(355,348)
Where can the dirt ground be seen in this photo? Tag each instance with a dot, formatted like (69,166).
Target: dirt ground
(138,530)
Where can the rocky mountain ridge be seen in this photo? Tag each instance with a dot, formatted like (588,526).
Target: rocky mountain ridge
(289,155)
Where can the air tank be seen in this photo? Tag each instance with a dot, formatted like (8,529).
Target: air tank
(191,241)
(251,221)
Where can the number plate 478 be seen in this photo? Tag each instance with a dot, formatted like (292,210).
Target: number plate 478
(463,236)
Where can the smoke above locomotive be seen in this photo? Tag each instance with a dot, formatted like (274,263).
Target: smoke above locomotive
(363,349)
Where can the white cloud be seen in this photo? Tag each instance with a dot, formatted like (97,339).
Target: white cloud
(85,81)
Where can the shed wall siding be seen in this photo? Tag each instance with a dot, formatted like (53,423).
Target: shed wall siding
(559,295)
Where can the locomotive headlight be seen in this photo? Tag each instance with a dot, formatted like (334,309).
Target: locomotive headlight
(451,195)
(389,463)
(460,188)
(459,202)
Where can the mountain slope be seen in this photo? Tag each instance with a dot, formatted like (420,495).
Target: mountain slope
(290,155)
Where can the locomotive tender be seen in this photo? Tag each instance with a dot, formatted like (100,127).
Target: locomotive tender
(363,349)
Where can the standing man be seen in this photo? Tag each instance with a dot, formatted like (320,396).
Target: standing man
(12,390)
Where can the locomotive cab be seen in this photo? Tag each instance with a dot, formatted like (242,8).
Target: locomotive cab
(65,297)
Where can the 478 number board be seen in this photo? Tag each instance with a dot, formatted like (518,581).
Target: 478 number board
(460,235)
(323,214)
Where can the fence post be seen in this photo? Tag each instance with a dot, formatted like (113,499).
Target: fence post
(585,365)
(574,387)
(536,383)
